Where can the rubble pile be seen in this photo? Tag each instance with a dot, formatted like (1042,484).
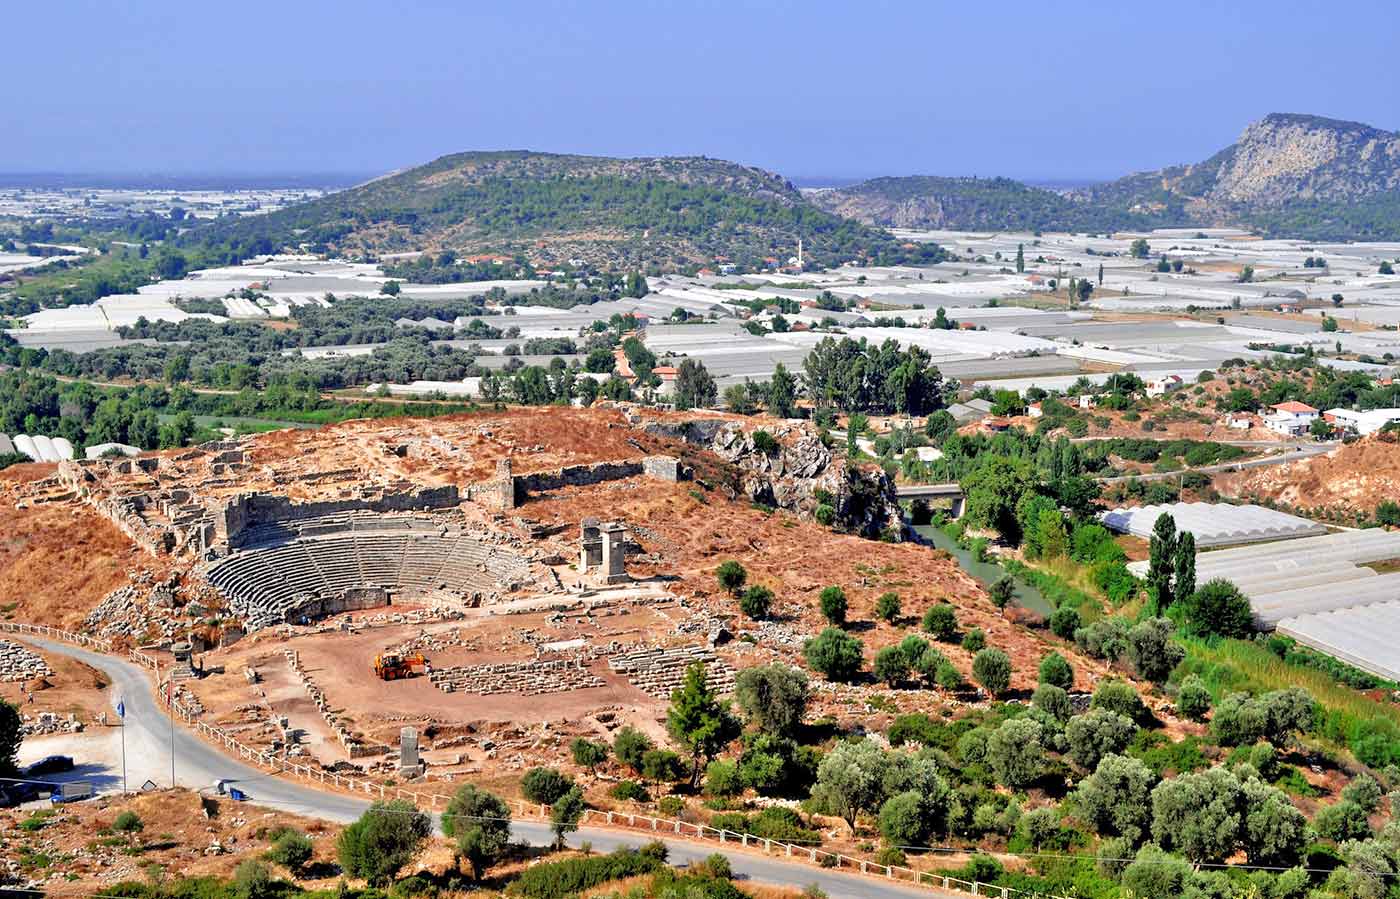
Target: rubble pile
(19,664)
(530,678)
(46,723)
(660,670)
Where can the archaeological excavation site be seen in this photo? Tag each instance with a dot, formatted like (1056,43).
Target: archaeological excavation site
(497,583)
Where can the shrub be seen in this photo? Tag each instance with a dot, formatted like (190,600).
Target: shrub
(772,696)
(833,605)
(975,640)
(1014,751)
(1114,695)
(549,880)
(1053,701)
(588,753)
(662,766)
(834,653)
(948,676)
(1193,698)
(941,621)
(992,668)
(128,822)
(756,602)
(1219,607)
(291,850)
(544,785)
(1064,621)
(671,806)
(1098,733)
(722,779)
(731,576)
(716,865)
(1056,671)
(1364,791)
(629,791)
(824,514)
(384,839)
(1342,821)
(892,665)
(630,745)
(253,880)
(887,607)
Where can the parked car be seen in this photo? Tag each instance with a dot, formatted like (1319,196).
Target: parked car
(53,764)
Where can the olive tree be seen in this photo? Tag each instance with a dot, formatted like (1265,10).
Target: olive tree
(384,839)
(1117,798)
(1097,733)
(479,822)
(1015,753)
(850,779)
(992,668)
(1199,815)
(774,697)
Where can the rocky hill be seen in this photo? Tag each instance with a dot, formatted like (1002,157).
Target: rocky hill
(976,204)
(673,211)
(1288,174)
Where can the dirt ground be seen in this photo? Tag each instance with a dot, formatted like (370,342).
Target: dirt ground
(461,448)
(1355,477)
(79,846)
(689,532)
(72,689)
(57,561)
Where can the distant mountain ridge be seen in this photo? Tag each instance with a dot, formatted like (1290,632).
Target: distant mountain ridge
(549,207)
(1288,174)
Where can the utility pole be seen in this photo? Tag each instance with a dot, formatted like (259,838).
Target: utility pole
(170,701)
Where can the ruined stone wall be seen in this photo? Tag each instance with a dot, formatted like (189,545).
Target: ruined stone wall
(247,510)
(576,476)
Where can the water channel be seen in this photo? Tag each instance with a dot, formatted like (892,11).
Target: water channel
(985,573)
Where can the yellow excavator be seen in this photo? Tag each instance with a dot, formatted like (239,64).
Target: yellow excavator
(394,666)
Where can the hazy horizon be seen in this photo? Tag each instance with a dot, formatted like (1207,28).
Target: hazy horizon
(804,89)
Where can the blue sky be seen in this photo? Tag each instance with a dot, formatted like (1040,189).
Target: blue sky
(1038,90)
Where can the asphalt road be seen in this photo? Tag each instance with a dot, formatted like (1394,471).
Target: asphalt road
(1293,455)
(198,765)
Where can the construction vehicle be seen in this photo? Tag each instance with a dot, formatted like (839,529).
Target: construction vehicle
(394,666)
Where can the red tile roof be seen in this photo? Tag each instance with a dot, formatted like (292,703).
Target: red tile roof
(1294,406)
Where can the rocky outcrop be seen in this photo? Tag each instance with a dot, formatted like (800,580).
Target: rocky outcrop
(1285,157)
(792,469)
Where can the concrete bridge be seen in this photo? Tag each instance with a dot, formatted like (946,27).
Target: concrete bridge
(951,492)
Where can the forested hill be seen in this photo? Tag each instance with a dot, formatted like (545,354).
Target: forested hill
(1288,175)
(672,212)
(974,204)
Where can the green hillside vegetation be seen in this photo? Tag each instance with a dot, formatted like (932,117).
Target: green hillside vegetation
(662,213)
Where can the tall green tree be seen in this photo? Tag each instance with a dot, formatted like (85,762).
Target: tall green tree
(695,388)
(384,839)
(781,395)
(565,814)
(479,822)
(1184,567)
(1161,563)
(699,721)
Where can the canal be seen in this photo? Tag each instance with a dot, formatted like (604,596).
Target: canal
(984,572)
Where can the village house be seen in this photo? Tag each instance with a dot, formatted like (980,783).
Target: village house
(1292,418)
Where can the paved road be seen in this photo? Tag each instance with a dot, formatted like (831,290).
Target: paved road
(199,764)
(1294,455)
